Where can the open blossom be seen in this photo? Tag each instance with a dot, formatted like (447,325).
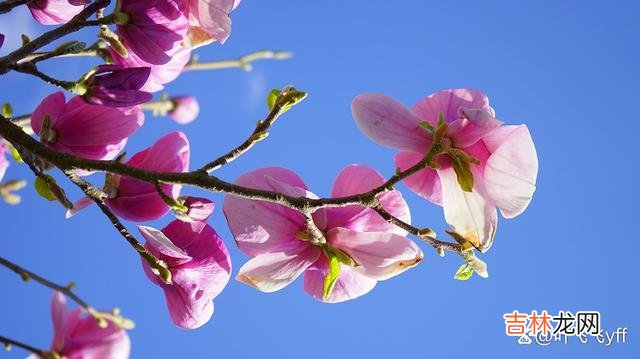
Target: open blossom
(210,21)
(155,28)
(160,74)
(117,86)
(139,201)
(367,247)
(200,269)
(185,109)
(503,165)
(55,12)
(76,335)
(84,130)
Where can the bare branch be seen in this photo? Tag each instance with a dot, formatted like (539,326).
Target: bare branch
(9,342)
(243,62)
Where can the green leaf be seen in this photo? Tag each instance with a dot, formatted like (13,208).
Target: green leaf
(271,98)
(464,272)
(7,110)
(332,276)
(44,189)
(427,126)
(464,175)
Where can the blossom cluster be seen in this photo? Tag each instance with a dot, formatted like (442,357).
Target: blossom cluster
(460,156)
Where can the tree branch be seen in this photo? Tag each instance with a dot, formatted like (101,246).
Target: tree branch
(75,24)
(8,5)
(243,62)
(9,342)
(67,290)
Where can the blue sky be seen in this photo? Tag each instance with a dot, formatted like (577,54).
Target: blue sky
(568,69)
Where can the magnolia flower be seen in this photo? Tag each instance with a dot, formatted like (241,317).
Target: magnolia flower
(361,248)
(210,21)
(160,74)
(84,130)
(480,164)
(154,28)
(77,335)
(200,269)
(198,209)
(185,109)
(55,12)
(117,86)
(3,160)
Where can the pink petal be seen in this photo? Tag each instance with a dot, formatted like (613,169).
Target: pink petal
(78,206)
(380,255)
(139,208)
(448,102)
(273,271)
(200,209)
(351,283)
(512,169)
(387,122)
(355,179)
(58,317)
(426,182)
(472,125)
(156,240)
(54,12)
(53,105)
(213,17)
(470,214)
(260,227)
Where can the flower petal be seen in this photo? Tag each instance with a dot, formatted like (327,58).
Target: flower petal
(53,105)
(389,123)
(273,271)
(472,215)
(58,317)
(472,125)
(355,179)
(512,169)
(448,102)
(260,227)
(351,284)
(163,245)
(380,255)
(78,206)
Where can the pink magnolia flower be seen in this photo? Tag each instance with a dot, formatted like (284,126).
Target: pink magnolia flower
(84,130)
(77,335)
(210,21)
(139,201)
(160,74)
(55,12)
(505,176)
(278,240)
(117,86)
(200,268)
(155,28)
(185,109)
(3,160)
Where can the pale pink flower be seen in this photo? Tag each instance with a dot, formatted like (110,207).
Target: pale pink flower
(504,178)
(55,12)
(87,131)
(277,238)
(139,201)
(200,269)
(156,28)
(76,335)
(185,109)
(210,21)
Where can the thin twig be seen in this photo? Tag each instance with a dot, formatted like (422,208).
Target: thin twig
(158,266)
(75,24)
(8,5)
(243,62)
(8,342)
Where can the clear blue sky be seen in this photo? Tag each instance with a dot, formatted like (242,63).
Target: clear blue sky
(568,69)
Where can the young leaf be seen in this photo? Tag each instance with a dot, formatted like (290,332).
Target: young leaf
(332,276)
(271,98)
(464,175)
(43,189)
(464,272)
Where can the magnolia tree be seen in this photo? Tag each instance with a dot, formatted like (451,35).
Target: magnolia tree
(452,151)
